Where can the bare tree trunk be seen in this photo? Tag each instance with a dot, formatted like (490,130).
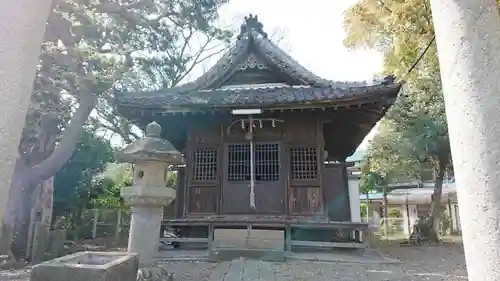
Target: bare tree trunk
(437,195)
(367,207)
(386,213)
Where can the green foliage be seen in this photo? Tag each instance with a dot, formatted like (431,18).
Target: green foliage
(414,136)
(446,223)
(395,213)
(92,48)
(371,181)
(400,29)
(363,210)
(169,40)
(72,183)
(172,179)
(106,188)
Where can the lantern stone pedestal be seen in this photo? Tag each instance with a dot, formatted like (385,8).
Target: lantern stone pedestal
(147,213)
(151,157)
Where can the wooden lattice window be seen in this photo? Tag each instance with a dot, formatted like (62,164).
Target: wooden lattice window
(267,162)
(266,157)
(304,163)
(238,162)
(205,165)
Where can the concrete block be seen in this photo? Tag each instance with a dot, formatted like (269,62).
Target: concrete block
(57,239)
(88,266)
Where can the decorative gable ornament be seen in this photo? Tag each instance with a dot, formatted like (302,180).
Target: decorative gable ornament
(252,62)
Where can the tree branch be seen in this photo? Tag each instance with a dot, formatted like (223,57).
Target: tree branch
(427,13)
(66,147)
(198,59)
(385,6)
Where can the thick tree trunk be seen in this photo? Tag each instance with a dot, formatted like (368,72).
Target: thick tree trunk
(66,147)
(20,204)
(26,179)
(22,25)
(18,207)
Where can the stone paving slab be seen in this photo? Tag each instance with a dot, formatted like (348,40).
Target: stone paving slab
(249,270)
(243,270)
(368,257)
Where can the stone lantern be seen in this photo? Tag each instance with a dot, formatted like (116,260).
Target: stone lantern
(151,157)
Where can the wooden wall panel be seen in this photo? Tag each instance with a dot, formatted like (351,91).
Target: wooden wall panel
(305,201)
(202,200)
(205,132)
(301,130)
(336,193)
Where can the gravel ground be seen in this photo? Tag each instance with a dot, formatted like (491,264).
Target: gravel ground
(431,263)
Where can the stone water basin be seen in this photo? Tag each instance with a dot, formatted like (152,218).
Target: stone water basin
(88,266)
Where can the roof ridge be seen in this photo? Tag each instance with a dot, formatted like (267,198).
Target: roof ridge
(252,33)
(251,24)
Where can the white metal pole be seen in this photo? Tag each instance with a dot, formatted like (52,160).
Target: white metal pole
(252,165)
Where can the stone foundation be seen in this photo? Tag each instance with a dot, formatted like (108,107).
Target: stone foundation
(266,245)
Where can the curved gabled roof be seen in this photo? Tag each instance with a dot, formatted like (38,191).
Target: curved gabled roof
(301,86)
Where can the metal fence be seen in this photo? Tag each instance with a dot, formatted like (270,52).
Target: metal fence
(109,222)
(395,227)
(95,223)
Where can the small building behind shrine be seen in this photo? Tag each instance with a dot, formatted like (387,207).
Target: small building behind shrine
(299,126)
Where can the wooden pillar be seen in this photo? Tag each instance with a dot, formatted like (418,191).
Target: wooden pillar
(180,196)
(288,238)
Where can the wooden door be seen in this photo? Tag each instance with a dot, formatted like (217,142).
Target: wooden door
(269,190)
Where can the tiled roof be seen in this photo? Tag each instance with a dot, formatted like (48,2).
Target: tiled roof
(254,95)
(209,89)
